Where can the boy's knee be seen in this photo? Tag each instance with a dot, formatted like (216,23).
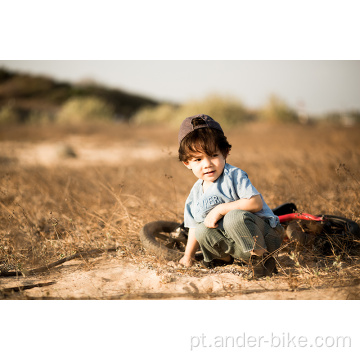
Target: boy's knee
(201,232)
(236,217)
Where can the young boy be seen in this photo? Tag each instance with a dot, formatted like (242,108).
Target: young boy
(226,216)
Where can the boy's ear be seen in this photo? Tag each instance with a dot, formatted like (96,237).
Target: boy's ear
(187,164)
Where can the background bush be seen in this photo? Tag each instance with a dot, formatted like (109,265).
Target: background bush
(81,110)
(276,111)
(38,117)
(8,115)
(228,110)
(162,114)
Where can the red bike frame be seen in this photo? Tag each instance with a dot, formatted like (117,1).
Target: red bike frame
(299,216)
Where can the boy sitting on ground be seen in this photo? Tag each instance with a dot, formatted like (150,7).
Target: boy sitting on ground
(226,216)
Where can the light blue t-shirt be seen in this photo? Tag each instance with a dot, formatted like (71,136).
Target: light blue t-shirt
(233,184)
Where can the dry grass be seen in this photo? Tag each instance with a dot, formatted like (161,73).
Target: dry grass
(49,212)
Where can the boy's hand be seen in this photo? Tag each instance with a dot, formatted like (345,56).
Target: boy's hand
(213,217)
(190,250)
(186,261)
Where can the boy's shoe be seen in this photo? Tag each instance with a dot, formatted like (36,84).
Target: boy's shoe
(263,266)
(217,262)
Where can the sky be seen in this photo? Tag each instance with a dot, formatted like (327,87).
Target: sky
(318,86)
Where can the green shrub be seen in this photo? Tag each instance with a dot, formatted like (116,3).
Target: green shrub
(276,111)
(8,115)
(228,111)
(81,110)
(38,117)
(162,114)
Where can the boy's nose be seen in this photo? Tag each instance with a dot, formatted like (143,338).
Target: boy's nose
(207,161)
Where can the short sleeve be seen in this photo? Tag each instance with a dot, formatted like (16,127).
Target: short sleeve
(245,189)
(189,221)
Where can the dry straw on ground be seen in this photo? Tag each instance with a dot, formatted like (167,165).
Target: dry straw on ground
(123,177)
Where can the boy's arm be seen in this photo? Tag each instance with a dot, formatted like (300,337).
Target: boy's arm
(254,204)
(191,247)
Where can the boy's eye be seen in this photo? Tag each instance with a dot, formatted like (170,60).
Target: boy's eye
(215,155)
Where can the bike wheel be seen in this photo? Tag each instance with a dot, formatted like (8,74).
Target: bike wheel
(333,235)
(165,239)
(339,225)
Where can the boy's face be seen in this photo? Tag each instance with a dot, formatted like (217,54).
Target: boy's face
(206,167)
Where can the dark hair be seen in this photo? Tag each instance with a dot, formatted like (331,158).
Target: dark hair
(205,140)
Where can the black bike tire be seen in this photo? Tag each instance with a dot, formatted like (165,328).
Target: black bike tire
(349,225)
(150,243)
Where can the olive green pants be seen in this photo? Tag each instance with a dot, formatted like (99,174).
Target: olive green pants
(238,233)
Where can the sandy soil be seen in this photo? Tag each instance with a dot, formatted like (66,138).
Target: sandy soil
(109,277)
(50,153)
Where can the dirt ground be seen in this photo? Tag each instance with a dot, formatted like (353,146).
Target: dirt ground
(65,191)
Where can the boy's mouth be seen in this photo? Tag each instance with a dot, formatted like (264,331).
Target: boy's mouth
(209,172)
